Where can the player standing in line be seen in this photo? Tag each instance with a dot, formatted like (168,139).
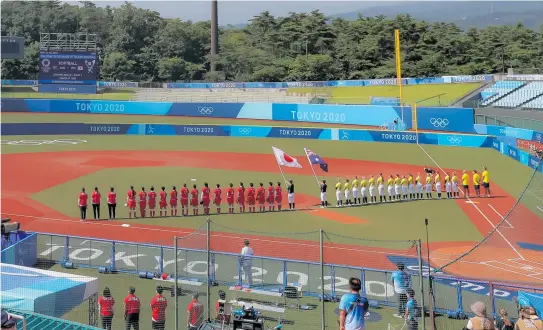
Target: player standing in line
(241,197)
(356,198)
(217,197)
(454,185)
(364,190)
(390,189)
(206,198)
(486,182)
(96,196)
(271,197)
(477,183)
(261,198)
(428,186)
(418,186)
(373,198)
(230,198)
(381,188)
(279,196)
(152,202)
(339,198)
(251,198)
(411,187)
(143,202)
(111,203)
(347,192)
(404,187)
(324,196)
(290,195)
(437,182)
(194,200)
(131,202)
(163,204)
(173,201)
(465,183)
(397,187)
(184,200)
(448,186)
(82,203)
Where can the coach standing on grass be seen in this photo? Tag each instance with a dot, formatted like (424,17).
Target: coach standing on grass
(132,307)
(353,307)
(96,196)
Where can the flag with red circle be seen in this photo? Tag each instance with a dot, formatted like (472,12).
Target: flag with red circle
(284,159)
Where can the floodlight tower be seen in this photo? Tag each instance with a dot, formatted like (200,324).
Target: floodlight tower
(214,33)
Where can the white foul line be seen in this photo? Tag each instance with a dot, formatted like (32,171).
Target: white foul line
(501,216)
(474,205)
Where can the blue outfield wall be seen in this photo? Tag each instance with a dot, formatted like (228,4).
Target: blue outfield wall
(22,250)
(443,139)
(429,118)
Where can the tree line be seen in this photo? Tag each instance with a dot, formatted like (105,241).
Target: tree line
(138,45)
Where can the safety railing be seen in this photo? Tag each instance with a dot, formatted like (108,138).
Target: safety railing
(507,121)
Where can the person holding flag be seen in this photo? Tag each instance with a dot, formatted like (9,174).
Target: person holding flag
(283,159)
(290,195)
(324,196)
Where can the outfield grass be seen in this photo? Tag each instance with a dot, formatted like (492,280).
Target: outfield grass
(23,92)
(411,93)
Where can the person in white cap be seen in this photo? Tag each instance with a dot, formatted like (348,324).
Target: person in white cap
(480,321)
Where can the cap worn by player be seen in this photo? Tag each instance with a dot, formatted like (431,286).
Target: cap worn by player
(132,290)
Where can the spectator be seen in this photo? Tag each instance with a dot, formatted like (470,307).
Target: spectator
(401,281)
(480,321)
(106,304)
(195,313)
(353,308)
(158,307)
(8,322)
(529,320)
(411,311)
(132,307)
(503,322)
(247,254)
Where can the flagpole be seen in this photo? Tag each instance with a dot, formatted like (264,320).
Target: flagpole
(278,165)
(312,169)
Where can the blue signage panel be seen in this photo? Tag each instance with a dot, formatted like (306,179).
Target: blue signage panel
(116,84)
(81,68)
(446,119)
(67,88)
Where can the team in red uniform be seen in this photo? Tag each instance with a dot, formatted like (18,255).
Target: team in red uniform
(206,198)
(194,199)
(271,197)
(173,201)
(163,204)
(152,202)
(184,200)
(241,197)
(143,202)
(230,198)
(278,196)
(158,306)
(96,197)
(261,197)
(131,202)
(111,203)
(82,203)
(217,197)
(251,197)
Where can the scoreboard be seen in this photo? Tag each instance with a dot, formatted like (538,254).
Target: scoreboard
(74,68)
(13,47)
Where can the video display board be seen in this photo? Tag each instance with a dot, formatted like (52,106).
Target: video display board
(78,68)
(13,47)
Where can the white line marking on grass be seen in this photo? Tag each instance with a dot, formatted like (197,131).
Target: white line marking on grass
(476,207)
(539,208)
(501,216)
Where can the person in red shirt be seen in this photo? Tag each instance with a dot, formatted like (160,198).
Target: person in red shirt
(132,307)
(82,204)
(230,198)
(131,202)
(271,197)
(152,202)
(111,203)
(143,202)
(217,197)
(206,198)
(194,200)
(173,201)
(163,204)
(96,203)
(158,307)
(195,313)
(241,197)
(251,197)
(185,200)
(261,197)
(106,304)
(278,196)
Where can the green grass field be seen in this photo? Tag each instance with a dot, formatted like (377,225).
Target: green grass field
(448,93)
(21,92)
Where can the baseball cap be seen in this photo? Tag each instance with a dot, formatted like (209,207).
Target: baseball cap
(131,289)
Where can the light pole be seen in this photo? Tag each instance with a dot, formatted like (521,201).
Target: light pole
(214,33)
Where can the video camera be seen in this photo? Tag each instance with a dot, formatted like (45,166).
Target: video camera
(248,319)
(429,171)
(8,227)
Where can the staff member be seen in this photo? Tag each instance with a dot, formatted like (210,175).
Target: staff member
(132,307)
(402,282)
(246,259)
(96,196)
(411,311)
(339,199)
(195,313)
(353,307)
(112,203)
(486,182)
(477,183)
(105,305)
(290,195)
(82,203)
(324,196)
(158,307)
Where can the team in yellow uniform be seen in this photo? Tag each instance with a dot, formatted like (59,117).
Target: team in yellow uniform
(364,189)
(397,187)
(347,191)
(428,187)
(381,189)
(437,184)
(486,182)
(477,183)
(390,188)
(373,198)
(465,183)
(403,182)
(411,186)
(418,186)
(339,200)
(454,185)
(448,186)
(356,198)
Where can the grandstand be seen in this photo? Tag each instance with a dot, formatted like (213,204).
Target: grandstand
(223,95)
(514,94)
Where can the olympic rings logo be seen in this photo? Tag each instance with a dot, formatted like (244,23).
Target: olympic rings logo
(538,136)
(244,130)
(439,122)
(205,110)
(43,142)
(454,139)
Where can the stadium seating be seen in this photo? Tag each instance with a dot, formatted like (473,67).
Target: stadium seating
(536,103)
(222,95)
(521,95)
(498,90)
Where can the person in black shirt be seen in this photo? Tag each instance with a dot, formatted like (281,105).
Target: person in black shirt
(324,196)
(290,190)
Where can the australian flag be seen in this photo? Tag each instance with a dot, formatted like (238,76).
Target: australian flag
(316,159)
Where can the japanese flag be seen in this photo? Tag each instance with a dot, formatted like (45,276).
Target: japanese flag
(284,159)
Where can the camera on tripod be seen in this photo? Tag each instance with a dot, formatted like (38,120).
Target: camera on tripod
(429,171)
(8,227)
